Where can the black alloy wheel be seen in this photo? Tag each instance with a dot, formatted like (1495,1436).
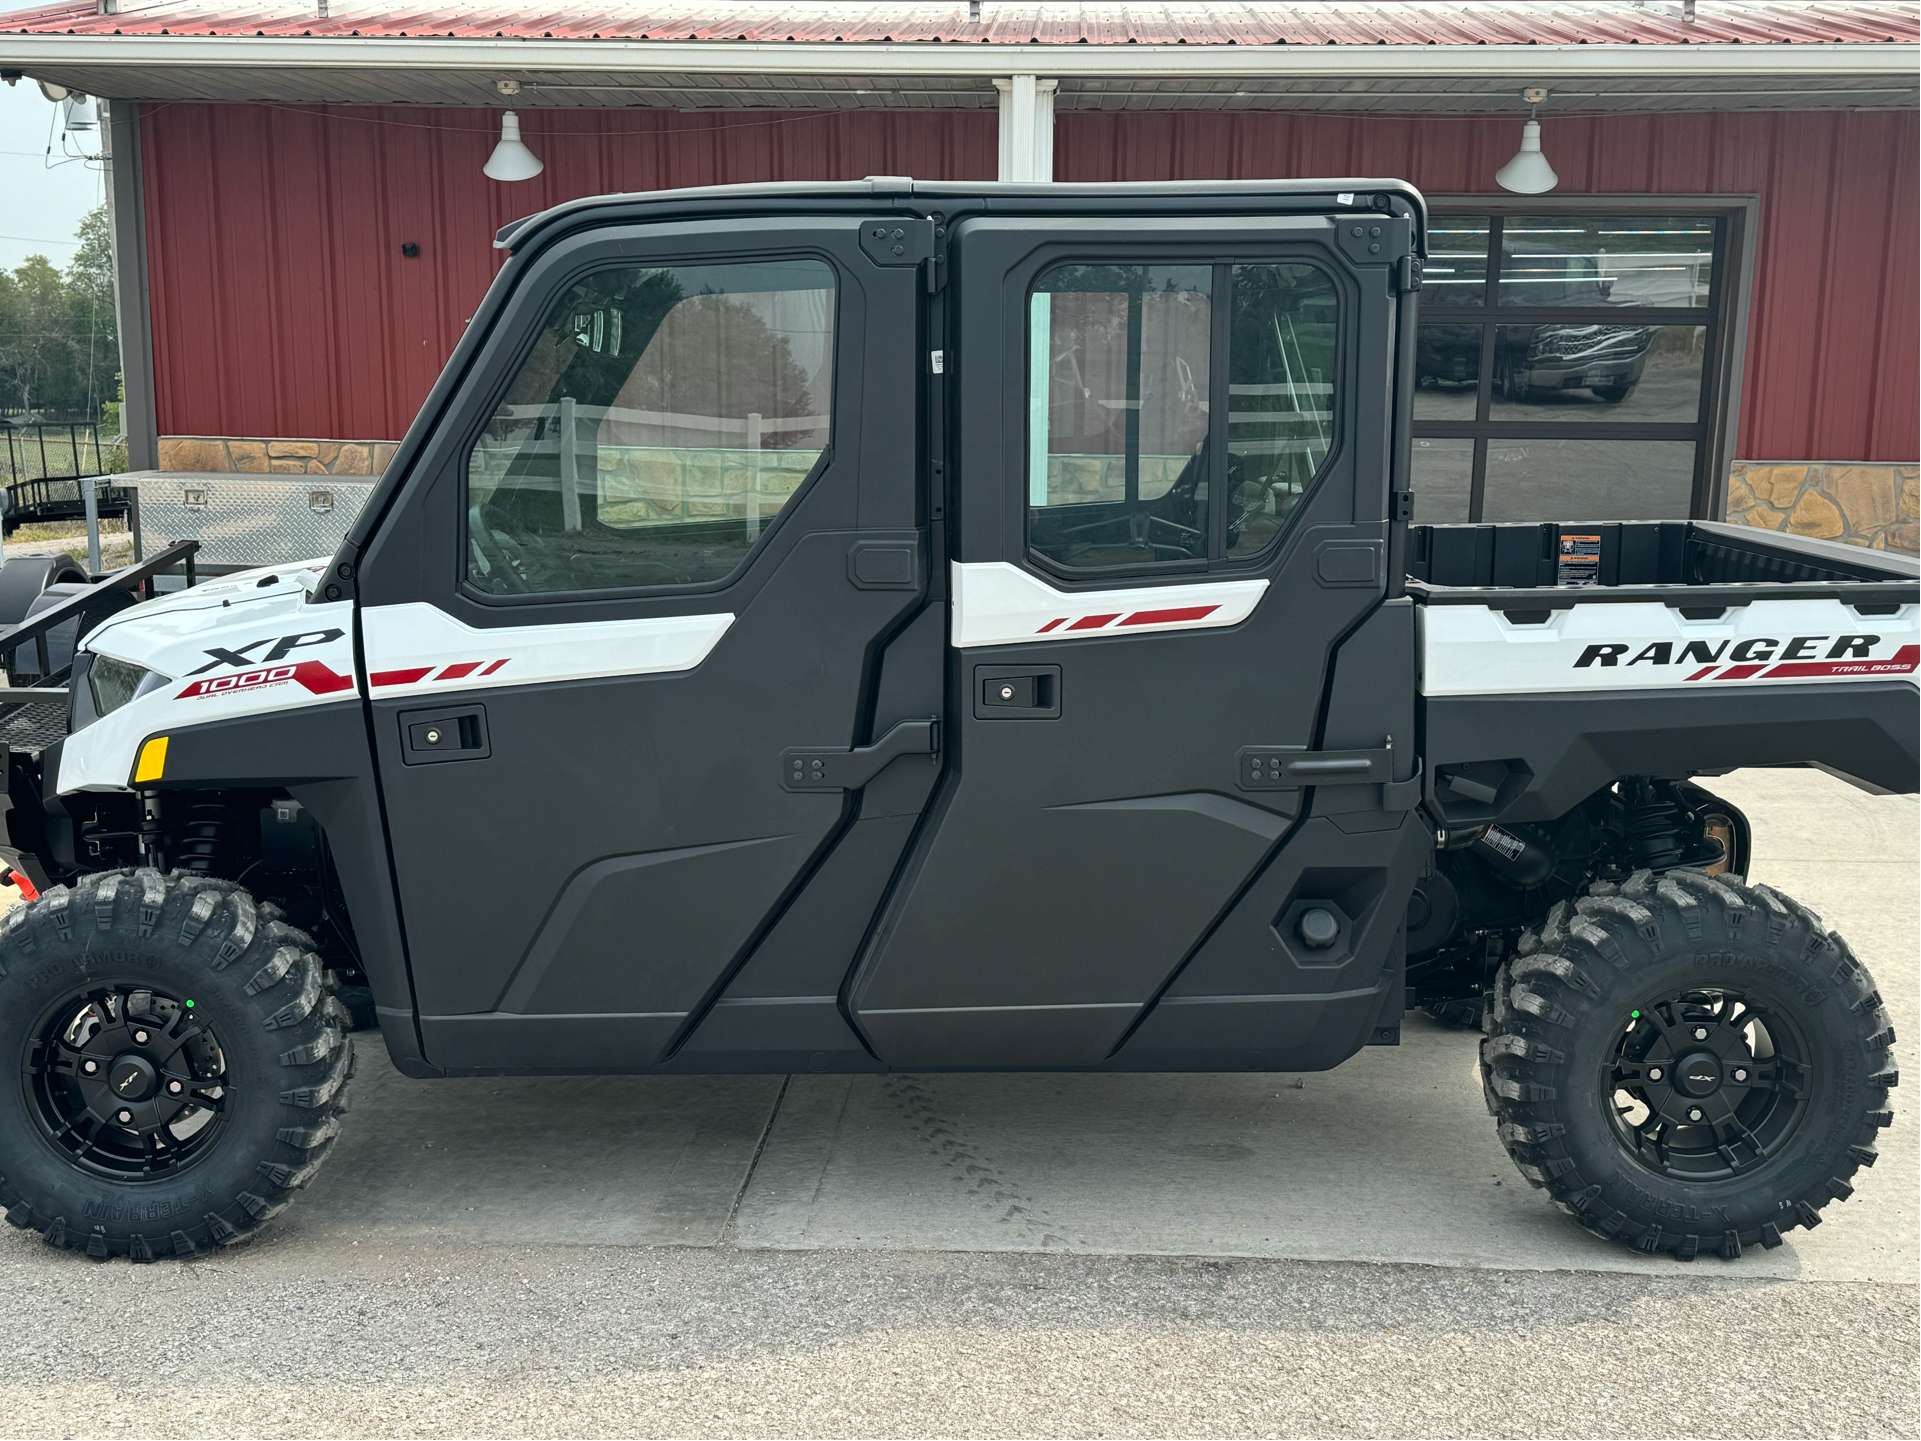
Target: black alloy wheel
(1688,1063)
(1704,1085)
(181,1064)
(126,1082)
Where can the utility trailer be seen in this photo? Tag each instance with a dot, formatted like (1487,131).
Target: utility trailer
(907,626)
(41,501)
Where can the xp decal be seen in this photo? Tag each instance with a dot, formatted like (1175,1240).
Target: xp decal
(283,646)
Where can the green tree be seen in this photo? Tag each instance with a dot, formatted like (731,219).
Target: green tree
(36,341)
(59,345)
(92,320)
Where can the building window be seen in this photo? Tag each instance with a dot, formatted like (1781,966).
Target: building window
(663,421)
(1566,363)
(1147,399)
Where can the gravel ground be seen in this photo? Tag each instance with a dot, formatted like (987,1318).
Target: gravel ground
(294,1341)
(110,545)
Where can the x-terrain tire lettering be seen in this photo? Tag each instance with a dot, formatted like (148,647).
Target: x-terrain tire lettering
(180,1064)
(1688,1063)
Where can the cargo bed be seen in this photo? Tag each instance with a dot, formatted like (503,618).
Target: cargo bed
(1551,653)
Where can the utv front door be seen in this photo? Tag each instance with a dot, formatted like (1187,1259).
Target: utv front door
(665,533)
(1172,449)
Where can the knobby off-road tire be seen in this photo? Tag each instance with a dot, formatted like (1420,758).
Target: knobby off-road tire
(1629,1015)
(209,1016)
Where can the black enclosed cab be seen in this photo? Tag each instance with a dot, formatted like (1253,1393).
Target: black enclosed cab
(887,626)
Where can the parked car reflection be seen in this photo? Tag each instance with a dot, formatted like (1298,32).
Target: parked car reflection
(1533,362)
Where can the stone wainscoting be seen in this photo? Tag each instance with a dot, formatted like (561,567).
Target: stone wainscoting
(1868,505)
(219,454)
(1872,505)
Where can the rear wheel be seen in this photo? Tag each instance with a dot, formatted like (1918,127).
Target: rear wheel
(1688,1064)
(180,1065)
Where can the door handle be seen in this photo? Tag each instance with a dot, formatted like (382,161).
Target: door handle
(837,768)
(1015,692)
(451,733)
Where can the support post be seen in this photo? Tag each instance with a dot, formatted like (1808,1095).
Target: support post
(569,465)
(1027,127)
(753,491)
(90,492)
(127,223)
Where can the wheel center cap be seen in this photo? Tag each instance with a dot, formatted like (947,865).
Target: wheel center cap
(1698,1074)
(132,1078)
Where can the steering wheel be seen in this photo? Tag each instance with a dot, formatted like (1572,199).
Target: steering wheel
(496,555)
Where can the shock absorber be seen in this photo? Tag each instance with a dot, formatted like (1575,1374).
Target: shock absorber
(1655,824)
(150,837)
(205,838)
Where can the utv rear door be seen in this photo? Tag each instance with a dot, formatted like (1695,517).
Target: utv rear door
(665,533)
(1172,452)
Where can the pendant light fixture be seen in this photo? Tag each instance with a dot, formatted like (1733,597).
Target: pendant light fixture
(1528,173)
(511,159)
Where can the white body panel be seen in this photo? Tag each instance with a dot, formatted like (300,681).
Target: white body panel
(290,654)
(415,648)
(1603,645)
(239,647)
(996,603)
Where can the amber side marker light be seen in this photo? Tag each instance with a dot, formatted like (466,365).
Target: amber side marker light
(153,761)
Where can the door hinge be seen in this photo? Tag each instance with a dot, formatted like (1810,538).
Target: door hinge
(897,240)
(1408,273)
(837,768)
(1287,768)
(1400,505)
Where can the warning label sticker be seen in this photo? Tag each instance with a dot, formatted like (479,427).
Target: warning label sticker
(1580,560)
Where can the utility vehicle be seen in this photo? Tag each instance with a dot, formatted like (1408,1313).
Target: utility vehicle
(899,626)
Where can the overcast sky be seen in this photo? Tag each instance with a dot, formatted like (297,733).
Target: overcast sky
(41,201)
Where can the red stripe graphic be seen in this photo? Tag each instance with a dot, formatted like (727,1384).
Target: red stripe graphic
(1094,622)
(398,677)
(455,672)
(1169,617)
(321,678)
(1050,625)
(1900,663)
(318,677)
(1741,672)
(1704,670)
(495,666)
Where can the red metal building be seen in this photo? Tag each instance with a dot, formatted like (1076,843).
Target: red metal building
(304,225)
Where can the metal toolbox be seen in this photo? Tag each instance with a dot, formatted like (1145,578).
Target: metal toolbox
(247,520)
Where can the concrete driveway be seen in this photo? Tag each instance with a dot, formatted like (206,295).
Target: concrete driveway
(489,1254)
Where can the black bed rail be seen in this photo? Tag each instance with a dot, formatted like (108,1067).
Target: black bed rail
(1610,555)
(138,578)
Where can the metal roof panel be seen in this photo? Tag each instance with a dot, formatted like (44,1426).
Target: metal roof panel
(1009,23)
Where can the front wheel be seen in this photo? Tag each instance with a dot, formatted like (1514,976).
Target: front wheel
(1688,1063)
(178,1065)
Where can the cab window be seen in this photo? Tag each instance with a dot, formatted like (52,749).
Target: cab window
(663,420)
(1156,440)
